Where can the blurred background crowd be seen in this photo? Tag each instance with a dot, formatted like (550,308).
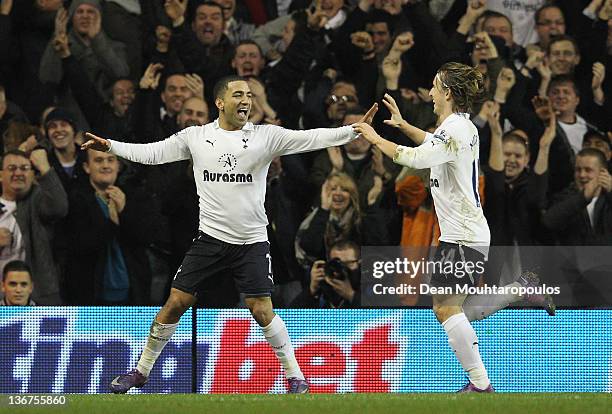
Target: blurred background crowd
(86,228)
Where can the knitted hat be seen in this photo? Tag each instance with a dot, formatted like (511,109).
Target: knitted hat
(60,114)
(77,3)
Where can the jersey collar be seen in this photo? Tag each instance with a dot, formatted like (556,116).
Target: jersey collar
(247,127)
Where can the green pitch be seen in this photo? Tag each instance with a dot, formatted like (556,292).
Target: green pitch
(324,403)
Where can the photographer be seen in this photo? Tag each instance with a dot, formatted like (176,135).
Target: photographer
(335,283)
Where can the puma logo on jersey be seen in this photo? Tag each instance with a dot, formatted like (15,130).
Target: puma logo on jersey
(212,143)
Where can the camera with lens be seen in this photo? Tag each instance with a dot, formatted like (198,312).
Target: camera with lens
(336,269)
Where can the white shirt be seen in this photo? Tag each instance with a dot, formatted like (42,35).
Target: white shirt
(16,250)
(522,15)
(591,211)
(451,153)
(230,169)
(575,132)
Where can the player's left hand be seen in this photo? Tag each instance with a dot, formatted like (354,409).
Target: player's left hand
(367,132)
(605,180)
(342,287)
(369,116)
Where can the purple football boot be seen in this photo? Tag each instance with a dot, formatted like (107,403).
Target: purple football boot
(531,279)
(298,386)
(469,387)
(124,382)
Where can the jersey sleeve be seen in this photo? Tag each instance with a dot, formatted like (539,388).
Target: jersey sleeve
(283,141)
(173,148)
(436,149)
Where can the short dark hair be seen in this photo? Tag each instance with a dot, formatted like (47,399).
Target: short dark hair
(561,80)
(346,245)
(593,134)
(539,11)
(465,83)
(194,5)
(489,14)
(15,266)
(512,137)
(167,76)
(247,42)
(592,152)
(563,38)
(16,152)
(221,85)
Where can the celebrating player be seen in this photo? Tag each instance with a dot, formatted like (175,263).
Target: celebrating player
(230,157)
(451,153)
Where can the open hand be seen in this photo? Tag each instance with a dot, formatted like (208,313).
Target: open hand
(96,143)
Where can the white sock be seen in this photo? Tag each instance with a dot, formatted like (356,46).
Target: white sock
(463,340)
(159,335)
(277,336)
(477,307)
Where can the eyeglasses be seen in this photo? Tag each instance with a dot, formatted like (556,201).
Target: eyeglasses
(332,99)
(22,168)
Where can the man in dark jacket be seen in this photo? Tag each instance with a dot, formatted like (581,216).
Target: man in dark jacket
(36,208)
(582,216)
(109,229)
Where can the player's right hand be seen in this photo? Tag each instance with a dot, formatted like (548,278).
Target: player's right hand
(96,143)
(396,116)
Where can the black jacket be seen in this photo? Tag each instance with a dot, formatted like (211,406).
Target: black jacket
(568,218)
(90,235)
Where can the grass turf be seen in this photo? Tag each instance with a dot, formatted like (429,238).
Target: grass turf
(324,403)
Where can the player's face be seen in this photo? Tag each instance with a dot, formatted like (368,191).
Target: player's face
(563,98)
(194,112)
(563,58)
(175,93)
(248,60)
(17,176)
(123,96)
(17,288)
(60,134)
(586,169)
(550,23)
(598,144)
(236,104)
(208,24)
(102,168)
(515,159)
(439,96)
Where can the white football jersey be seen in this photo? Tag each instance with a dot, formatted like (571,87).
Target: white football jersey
(451,153)
(230,169)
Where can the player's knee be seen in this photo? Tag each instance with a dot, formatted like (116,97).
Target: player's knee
(178,304)
(262,312)
(443,312)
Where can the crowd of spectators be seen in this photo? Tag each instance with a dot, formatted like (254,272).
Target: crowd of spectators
(85,228)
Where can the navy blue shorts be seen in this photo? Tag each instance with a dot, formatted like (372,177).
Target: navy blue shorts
(208,258)
(460,265)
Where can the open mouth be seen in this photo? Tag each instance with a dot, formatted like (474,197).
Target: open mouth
(243,113)
(338,199)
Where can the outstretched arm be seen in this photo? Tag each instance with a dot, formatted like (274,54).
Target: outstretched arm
(171,149)
(424,156)
(286,141)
